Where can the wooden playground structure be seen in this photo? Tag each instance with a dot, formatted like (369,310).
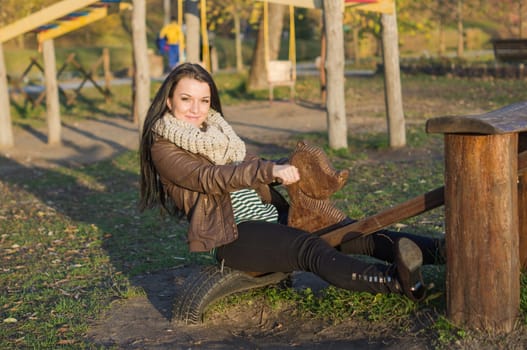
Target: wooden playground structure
(19,85)
(49,23)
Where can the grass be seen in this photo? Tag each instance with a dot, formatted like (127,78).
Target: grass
(72,239)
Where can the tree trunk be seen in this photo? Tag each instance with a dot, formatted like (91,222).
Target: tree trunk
(520,19)
(258,71)
(392,81)
(335,106)
(193,40)
(322,68)
(238,39)
(442,45)
(6,129)
(167,12)
(141,99)
(356,44)
(52,92)
(460,37)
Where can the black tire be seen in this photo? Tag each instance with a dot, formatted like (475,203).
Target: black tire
(209,284)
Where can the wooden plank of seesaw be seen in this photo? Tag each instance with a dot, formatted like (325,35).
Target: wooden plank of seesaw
(403,211)
(376,222)
(42,17)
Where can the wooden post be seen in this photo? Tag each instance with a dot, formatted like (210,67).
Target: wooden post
(167,12)
(6,130)
(322,67)
(192,22)
(481,214)
(484,205)
(106,68)
(335,103)
(52,93)
(214,65)
(141,66)
(392,81)
(522,204)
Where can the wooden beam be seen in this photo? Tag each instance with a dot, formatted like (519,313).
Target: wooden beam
(94,15)
(42,17)
(381,6)
(373,223)
(403,211)
(67,26)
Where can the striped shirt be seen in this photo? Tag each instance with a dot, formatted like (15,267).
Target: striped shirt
(247,206)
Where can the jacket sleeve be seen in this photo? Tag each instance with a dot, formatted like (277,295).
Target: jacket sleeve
(196,173)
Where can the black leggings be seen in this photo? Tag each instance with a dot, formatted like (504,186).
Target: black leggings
(269,247)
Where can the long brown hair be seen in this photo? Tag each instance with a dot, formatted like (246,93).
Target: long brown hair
(152,193)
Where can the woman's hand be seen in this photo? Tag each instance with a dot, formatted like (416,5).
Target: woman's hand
(286,173)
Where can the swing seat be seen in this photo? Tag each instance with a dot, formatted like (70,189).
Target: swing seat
(281,73)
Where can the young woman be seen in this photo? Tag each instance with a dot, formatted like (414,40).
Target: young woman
(193,163)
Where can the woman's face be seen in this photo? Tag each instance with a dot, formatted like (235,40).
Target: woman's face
(191,101)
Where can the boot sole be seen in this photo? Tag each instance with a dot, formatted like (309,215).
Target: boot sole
(409,266)
(412,257)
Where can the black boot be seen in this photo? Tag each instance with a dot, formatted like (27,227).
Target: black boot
(381,245)
(402,277)
(348,272)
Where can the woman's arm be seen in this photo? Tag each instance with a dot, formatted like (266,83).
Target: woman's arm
(195,173)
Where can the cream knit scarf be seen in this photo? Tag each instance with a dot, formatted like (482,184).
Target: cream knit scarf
(217,141)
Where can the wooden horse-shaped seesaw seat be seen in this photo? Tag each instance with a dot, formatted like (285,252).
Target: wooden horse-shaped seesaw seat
(311,210)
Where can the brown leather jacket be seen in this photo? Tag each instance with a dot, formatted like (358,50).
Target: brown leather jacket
(201,189)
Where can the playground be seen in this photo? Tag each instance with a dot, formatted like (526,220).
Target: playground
(84,268)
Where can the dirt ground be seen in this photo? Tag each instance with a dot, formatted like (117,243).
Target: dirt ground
(144,322)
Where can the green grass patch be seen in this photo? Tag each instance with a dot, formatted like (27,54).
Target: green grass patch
(72,239)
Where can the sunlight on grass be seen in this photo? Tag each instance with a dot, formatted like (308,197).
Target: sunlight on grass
(72,239)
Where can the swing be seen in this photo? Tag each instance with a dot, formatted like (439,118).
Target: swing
(281,72)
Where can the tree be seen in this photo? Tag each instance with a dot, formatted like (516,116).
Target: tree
(258,71)
(141,83)
(167,11)
(353,19)
(193,37)
(507,14)
(460,30)
(335,106)
(227,16)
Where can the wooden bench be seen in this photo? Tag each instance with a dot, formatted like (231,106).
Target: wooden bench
(510,50)
(281,73)
(485,215)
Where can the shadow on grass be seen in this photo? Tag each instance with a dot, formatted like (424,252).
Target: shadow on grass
(142,247)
